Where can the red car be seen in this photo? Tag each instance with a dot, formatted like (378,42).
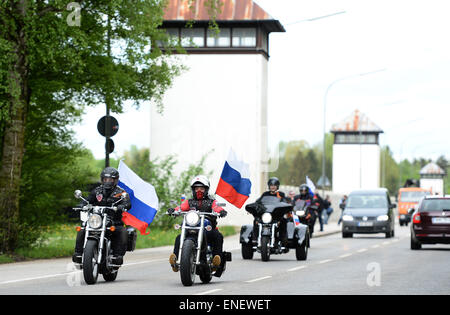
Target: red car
(431,221)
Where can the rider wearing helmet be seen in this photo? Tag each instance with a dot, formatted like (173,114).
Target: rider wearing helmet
(313,205)
(105,195)
(274,185)
(204,203)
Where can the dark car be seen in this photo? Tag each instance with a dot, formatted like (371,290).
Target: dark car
(431,222)
(368,211)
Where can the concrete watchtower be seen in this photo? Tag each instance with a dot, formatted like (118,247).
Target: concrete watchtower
(432,176)
(356,154)
(221,100)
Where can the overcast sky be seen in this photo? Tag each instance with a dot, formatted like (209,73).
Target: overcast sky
(409,99)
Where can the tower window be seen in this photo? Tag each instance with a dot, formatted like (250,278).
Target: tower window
(244,37)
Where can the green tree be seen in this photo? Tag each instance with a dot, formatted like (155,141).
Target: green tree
(47,58)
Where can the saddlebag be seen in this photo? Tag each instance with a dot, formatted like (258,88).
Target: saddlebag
(131,241)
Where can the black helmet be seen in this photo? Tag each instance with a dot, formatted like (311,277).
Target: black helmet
(304,189)
(273,181)
(109,172)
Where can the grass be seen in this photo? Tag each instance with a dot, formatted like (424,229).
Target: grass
(59,241)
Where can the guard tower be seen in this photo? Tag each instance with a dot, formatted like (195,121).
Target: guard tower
(221,100)
(356,154)
(432,176)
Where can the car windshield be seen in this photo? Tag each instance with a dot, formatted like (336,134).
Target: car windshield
(413,196)
(366,201)
(435,205)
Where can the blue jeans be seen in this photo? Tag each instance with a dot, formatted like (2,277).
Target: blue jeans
(326,214)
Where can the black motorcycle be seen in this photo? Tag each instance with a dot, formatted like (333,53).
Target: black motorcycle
(195,254)
(307,214)
(97,250)
(264,238)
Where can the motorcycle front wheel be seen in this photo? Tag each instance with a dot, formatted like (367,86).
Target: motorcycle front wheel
(90,262)
(187,263)
(265,248)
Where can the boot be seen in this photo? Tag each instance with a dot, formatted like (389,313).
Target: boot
(173,262)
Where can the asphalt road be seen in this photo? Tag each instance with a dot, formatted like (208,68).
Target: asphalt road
(364,264)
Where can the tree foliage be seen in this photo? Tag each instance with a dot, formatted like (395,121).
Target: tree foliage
(49,61)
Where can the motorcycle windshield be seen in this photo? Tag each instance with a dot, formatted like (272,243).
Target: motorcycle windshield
(270,204)
(300,204)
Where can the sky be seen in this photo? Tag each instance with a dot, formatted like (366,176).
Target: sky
(388,58)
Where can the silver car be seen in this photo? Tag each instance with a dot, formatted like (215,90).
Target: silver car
(368,211)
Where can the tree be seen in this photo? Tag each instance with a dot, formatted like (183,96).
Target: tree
(48,58)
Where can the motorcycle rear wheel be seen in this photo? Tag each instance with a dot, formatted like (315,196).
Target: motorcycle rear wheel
(90,262)
(187,263)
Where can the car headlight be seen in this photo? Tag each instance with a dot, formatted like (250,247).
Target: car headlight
(347,217)
(192,218)
(95,221)
(300,213)
(266,218)
(383,217)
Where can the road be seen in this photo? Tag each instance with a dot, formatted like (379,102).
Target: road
(364,264)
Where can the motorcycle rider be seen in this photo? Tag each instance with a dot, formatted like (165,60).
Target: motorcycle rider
(274,185)
(105,195)
(311,201)
(204,203)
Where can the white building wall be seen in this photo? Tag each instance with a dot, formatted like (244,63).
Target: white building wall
(436,185)
(218,103)
(352,160)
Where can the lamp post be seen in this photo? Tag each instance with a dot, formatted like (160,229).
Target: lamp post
(324,116)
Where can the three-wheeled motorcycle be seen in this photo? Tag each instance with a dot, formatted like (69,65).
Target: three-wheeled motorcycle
(263,236)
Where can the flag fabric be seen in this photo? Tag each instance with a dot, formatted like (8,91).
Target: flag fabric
(311,186)
(144,201)
(234,184)
(296,220)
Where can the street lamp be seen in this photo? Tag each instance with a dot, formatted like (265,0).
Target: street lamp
(324,116)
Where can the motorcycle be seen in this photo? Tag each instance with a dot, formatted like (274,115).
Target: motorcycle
(195,254)
(265,239)
(97,250)
(306,213)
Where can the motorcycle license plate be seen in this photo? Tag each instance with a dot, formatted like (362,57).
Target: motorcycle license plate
(440,220)
(365,223)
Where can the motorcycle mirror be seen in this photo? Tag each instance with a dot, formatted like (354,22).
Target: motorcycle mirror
(173,202)
(77,194)
(221,204)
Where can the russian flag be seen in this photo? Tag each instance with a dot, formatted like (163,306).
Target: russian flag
(234,184)
(144,201)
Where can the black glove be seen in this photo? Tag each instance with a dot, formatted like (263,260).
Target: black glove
(223,214)
(170,211)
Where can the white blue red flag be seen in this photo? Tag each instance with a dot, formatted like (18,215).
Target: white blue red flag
(311,186)
(144,201)
(296,220)
(234,184)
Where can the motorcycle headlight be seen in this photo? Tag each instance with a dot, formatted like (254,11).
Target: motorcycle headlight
(192,218)
(266,218)
(300,213)
(347,217)
(383,217)
(95,221)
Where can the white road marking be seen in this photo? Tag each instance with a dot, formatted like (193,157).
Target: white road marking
(325,261)
(345,255)
(258,279)
(296,268)
(71,272)
(362,250)
(208,292)
(375,246)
